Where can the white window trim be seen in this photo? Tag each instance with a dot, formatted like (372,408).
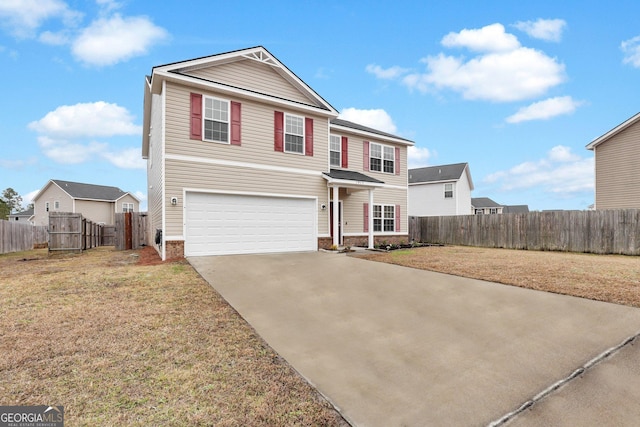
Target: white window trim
(382,147)
(453,193)
(339,165)
(56,205)
(228,122)
(127,205)
(382,230)
(284,135)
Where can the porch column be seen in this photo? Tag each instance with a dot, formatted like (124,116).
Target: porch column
(371,242)
(335,212)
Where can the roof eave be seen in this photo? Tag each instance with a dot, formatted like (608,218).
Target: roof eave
(375,136)
(622,126)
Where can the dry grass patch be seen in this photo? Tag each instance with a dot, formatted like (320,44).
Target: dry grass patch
(610,278)
(119,343)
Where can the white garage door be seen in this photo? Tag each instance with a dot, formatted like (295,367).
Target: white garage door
(221,224)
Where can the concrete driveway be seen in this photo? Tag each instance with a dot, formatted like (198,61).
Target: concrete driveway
(394,346)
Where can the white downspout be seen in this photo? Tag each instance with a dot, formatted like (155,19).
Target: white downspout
(371,243)
(335,212)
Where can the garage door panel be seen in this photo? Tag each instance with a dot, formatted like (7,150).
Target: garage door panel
(219,224)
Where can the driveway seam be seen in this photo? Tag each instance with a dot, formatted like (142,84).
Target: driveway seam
(558,384)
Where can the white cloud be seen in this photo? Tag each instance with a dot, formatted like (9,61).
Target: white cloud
(544,29)
(97,119)
(418,156)
(64,131)
(55,39)
(546,109)
(23,17)
(388,73)
(560,172)
(17,164)
(108,41)
(631,49)
(491,38)
(375,118)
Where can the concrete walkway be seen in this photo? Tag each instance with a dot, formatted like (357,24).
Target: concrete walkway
(394,346)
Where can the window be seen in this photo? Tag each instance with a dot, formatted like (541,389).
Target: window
(216,120)
(293,134)
(448,191)
(382,158)
(56,205)
(46,206)
(384,217)
(335,151)
(127,207)
(479,211)
(493,210)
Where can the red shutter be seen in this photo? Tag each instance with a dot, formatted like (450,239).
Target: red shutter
(278,144)
(345,152)
(196,116)
(365,156)
(397,217)
(366,217)
(396,164)
(308,137)
(236,121)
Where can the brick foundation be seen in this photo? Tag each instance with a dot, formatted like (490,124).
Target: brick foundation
(363,241)
(174,249)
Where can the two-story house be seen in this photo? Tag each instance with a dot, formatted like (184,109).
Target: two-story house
(440,190)
(244,157)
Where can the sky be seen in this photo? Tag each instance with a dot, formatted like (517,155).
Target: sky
(514,89)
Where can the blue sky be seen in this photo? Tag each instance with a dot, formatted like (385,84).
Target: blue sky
(516,90)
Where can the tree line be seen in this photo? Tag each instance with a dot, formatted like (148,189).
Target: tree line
(10,202)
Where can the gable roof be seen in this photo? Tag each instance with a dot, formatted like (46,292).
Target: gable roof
(440,173)
(338,123)
(622,126)
(484,202)
(78,190)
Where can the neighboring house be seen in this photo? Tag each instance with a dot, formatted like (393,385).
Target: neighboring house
(515,209)
(617,171)
(485,206)
(98,203)
(244,157)
(440,190)
(22,217)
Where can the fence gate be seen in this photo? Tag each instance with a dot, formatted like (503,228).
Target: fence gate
(130,230)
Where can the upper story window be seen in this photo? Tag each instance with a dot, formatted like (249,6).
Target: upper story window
(216,120)
(127,207)
(448,191)
(382,158)
(293,134)
(335,151)
(56,205)
(46,206)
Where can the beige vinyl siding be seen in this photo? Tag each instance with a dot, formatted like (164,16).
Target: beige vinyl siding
(252,75)
(51,194)
(257,135)
(618,170)
(356,162)
(100,212)
(353,208)
(194,175)
(128,199)
(155,168)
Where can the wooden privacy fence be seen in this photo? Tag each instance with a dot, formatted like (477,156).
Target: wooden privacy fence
(600,232)
(131,230)
(71,232)
(18,237)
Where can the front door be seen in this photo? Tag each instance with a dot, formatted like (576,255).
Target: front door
(340,241)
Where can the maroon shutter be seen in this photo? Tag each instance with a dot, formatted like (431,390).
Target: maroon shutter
(396,163)
(397,217)
(365,155)
(366,217)
(236,121)
(345,152)
(278,144)
(308,137)
(196,116)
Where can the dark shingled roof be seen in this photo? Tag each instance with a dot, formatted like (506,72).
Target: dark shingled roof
(90,191)
(515,209)
(356,126)
(436,173)
(483,202)
(351,176)
(26,213)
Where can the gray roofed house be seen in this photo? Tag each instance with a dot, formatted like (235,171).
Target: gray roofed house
(98,203)
(515,209)
(440,190)
(23,217)
(484,205)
